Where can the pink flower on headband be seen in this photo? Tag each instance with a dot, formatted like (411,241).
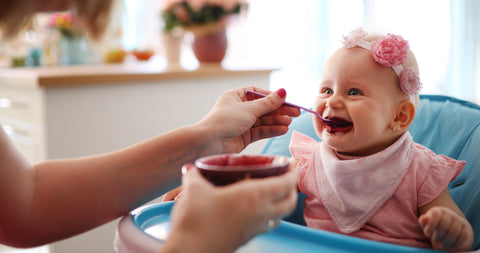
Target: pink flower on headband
(354,38)
(390,50)
(409,81)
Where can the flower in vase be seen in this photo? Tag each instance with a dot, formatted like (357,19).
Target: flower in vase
(193,13)
(66,23)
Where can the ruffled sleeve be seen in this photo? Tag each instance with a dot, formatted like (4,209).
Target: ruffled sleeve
(302,148)
(441,172)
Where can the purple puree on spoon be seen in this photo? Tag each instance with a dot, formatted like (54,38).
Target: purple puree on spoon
(330,122)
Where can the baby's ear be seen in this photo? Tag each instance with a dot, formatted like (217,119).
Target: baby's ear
(405,115)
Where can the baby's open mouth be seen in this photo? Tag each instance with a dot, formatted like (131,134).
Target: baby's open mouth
(337,122)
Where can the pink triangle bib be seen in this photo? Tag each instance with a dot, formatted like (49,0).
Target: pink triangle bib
(353,190)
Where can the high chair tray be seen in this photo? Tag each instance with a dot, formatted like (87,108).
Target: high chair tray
(288,237)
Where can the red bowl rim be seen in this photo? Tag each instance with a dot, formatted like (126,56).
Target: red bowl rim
(277,162)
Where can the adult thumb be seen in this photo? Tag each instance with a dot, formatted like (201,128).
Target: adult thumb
(191,174)
(188,172)
(270,102)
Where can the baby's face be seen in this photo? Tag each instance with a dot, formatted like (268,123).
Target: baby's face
(355,88)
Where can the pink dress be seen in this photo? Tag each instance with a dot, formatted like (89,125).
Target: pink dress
(373,197)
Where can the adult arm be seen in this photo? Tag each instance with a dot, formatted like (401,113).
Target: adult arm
(57,199)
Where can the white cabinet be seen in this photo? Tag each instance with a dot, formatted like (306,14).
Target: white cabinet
(77,111)
(21,118)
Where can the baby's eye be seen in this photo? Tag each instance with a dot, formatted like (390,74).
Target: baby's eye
(327,91)
(354,92)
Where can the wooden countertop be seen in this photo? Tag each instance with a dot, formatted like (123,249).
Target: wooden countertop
(115,73)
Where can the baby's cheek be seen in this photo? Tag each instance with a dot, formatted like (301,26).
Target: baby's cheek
(317,123)
(318,126)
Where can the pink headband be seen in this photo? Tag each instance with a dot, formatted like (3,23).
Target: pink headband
(390,51)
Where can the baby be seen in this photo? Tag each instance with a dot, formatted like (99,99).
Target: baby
(369,179)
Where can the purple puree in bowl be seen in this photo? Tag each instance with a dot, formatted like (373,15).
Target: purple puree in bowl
(227,169)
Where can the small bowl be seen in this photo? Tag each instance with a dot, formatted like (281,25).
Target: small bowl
(142,55)
(230,168)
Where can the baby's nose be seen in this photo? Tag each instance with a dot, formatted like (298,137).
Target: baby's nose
(334,102)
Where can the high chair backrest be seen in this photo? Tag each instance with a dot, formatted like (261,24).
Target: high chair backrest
(446,125)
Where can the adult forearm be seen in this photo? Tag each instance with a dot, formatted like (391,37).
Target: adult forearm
(72,196)
(58,199)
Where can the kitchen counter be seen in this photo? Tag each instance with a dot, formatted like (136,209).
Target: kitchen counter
(115,73)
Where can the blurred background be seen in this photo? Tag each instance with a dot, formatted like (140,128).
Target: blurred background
(296,37)
(292,38)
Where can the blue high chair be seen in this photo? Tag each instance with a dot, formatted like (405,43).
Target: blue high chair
(444,124)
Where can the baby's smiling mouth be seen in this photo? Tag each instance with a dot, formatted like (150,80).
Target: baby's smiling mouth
(337,122)
(334,124)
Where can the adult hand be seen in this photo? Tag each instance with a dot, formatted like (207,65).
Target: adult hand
(238,119)
(220,219)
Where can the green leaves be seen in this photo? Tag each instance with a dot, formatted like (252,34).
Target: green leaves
(184,15)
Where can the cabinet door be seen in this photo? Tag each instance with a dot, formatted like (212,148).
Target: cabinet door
(21,103)
(21,118)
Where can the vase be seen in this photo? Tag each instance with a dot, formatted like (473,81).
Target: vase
(73,50)
(210,47)
(172,42)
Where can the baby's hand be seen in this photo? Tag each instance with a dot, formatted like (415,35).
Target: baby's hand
(174,194)
(446,229)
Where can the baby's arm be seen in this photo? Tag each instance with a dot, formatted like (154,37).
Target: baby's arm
(293,164)
(446,226)
(173,194)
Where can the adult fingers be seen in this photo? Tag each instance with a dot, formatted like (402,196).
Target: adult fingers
(269,225)
(272,120)
(282,110)
(262,132)
(285,206)
(192,177)
(277,188)
(269,103)
(251,96)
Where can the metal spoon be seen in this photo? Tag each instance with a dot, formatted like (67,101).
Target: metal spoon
(330,122)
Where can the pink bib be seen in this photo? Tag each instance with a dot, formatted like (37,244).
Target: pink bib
(353,190)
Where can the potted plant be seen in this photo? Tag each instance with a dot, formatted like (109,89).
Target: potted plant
(207,20)
(72,44)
